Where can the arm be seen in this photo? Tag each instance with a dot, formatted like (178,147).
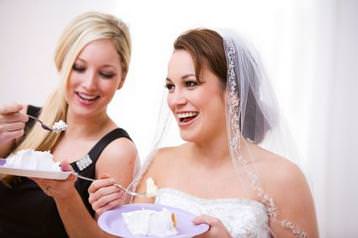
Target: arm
(12,124)
(297,205)
(118,160)
(104,196)
(77,220)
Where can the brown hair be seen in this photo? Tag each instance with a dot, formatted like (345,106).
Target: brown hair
(206,47)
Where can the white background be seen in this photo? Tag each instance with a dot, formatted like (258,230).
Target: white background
(309,48)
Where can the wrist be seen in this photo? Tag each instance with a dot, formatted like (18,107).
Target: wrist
(70,195)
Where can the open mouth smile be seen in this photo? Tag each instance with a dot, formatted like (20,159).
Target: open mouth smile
(186,117)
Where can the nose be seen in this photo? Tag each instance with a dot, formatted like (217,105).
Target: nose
(90,81)
(177,98)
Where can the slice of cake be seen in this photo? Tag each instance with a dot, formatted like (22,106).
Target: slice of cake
(151,223)
(151,188)
(32,160)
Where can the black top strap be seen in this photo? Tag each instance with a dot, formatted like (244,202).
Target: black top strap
(33,111)
(91,158)
(108,138)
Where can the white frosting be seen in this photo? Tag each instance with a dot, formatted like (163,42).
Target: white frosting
(59,126)
(151,188)
(32,160)
(150,223)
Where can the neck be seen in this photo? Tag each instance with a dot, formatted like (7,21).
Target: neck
(214,150)
(86,126)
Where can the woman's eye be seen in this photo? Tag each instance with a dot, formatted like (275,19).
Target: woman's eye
(191,84)
(107,75)
(78,68)
(170,87)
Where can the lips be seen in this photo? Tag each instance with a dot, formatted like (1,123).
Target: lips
(186,117)
(87,98)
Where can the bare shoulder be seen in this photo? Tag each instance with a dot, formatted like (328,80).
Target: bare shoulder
(162,163)
(163,158)
(285,182)
(276,170)
(121,148)
(119,155)
(164,153)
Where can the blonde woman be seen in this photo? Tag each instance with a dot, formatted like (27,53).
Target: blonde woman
(92,60)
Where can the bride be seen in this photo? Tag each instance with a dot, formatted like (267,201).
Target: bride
(231,170)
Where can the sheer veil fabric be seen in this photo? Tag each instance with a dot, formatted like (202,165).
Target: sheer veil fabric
(253,116)
(253,119)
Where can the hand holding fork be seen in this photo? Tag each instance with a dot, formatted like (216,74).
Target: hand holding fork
(126,190)
(12,123)
(13,120)
(104,194)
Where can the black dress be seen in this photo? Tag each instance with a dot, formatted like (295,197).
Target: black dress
(27,212)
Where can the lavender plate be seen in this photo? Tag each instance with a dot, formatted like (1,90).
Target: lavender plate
(113,223)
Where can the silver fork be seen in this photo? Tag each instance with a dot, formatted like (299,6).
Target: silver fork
(43,125)
(115,184)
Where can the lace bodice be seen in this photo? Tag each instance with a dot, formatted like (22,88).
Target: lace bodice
(242,218)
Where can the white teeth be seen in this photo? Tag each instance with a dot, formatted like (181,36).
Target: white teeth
(186,114)
(87,97)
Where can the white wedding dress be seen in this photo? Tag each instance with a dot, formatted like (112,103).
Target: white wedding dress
(242,218)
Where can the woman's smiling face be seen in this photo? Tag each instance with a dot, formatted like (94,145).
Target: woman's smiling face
(197,104)
(95,76)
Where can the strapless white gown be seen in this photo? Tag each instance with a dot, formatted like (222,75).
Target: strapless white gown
(242,218)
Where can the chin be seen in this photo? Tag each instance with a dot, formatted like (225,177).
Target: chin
(82,111)
(189,137)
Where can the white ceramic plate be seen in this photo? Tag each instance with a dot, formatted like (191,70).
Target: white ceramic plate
(32,173)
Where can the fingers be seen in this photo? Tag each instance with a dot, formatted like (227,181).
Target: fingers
(108,201)
(103,191)
(12,122)
(10,108)
(103,195)
(109,206)
(12,113)
(65,166)
(10,135)
(13,117)
(100,183)
(216,227)
(60,189)
(14,126)
(204,219)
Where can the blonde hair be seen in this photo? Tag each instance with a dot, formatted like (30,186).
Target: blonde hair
(84,29)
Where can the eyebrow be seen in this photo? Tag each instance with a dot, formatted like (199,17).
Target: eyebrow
(108,65)
(103,66)
(182,77)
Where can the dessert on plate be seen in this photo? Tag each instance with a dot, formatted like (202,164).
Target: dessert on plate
(152,223)
(32,160)
(151,188)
